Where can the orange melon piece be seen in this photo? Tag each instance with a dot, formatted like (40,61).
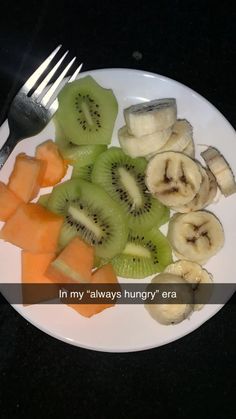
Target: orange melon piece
(8,202)
(26,177)
(103,275)
(74,263)
(33,267)
(33,228)
(56,166)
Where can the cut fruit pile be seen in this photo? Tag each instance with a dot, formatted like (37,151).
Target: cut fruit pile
(181,183)
(107,216)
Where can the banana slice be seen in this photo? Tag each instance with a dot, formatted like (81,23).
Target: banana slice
(182,134)
(202,196)
(195,236)
(221,170)
(212,188)
(193,273)
(142,146)
(173,178)
(148,117)
(190,149)
(171,313)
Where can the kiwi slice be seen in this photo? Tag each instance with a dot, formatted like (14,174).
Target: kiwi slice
(86,154)
(91,214)
(60,136)
(85,158)
(165,218)
(144,254)
(43,199)
(80,155)
(124,179)
(83,172)
(62,195)
(67,149)
(87,112)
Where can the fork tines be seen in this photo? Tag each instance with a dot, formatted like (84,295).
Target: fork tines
(41,94)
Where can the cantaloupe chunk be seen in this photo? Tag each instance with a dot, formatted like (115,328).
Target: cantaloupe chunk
(8,202)
(33,267)
(33,228)
(103,275)
(56,166)
(73,264)
(26,177)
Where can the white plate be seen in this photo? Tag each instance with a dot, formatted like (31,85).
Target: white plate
(129,328)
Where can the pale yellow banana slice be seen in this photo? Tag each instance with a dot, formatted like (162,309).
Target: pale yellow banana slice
(195,236)
(202,196)
(221,170)
(171,313)
(173,178)
(193,273)
(142,146)
(212,188)
(190,149)
(148,117)
(182,134)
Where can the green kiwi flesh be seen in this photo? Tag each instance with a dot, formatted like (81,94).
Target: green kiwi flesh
(83,172)
(124,180)
(60,137)
(87,112)
(85,157)
(62,195)
(164,218)
(43,200)
(91,214)
(87,154)
(144,254)
(80,155)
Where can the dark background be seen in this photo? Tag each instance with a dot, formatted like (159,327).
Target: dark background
(193,42)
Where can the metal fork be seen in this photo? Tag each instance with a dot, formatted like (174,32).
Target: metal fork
(30,113)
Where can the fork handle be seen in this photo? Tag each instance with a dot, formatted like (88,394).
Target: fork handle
(7,148)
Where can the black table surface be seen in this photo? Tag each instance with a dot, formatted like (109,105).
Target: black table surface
(192,42)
